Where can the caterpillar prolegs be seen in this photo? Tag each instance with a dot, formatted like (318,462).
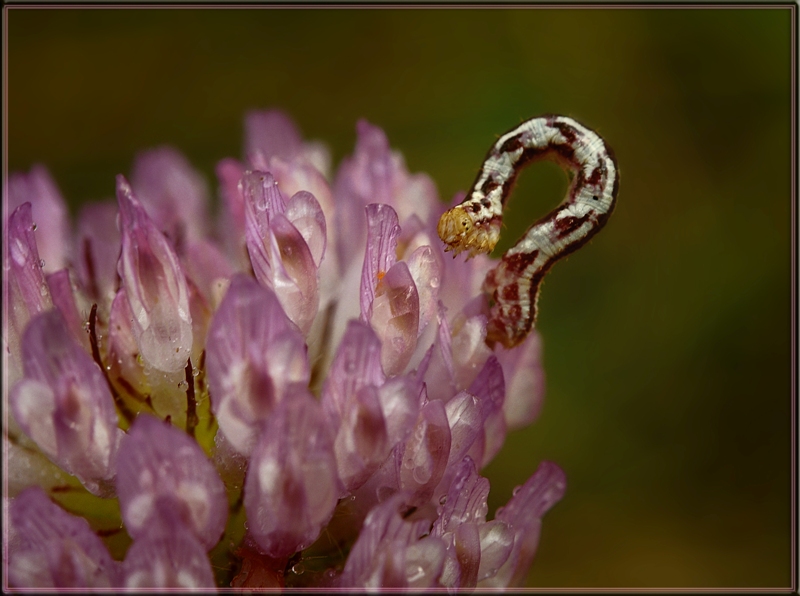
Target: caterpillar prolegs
(474,225)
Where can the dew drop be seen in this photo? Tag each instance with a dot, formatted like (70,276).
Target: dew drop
(195,372)
(516,490)
(41,263)
(298,569)
(34,227)
(442,499)
(183,385)
(108,367)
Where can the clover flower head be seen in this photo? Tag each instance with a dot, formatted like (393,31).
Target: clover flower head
(297,392)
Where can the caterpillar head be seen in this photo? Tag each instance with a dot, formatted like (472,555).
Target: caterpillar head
(462,230)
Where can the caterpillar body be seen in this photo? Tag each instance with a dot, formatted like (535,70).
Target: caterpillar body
(474,225)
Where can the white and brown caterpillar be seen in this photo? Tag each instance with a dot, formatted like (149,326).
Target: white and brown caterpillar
(474,225)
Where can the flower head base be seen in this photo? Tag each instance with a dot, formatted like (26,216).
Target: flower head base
(298,394)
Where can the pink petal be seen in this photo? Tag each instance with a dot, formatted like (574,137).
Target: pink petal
(272,133)
(232,215)
(361,443)
(173,193)
(524,514)
(167,554)
(53,549)
(381,253)
(280,257)
(64,404)
(497,541)
(298,175)
(63,295)
(123,351)
(416,195)
(438,371)
(424,457)
(489,388)
(98,249)
(468,347)
(158,462)
(426,271)
(465,501)
(355,365)
(391,552)
(154,284)
(467,544)
(24,288)
(395,318)
(293,274)
(424,562)
(399,399)
(255,357)
(261,199)
(48,211)
(208,268)
(363,178)
(526,382)
(304,212)
(462,281)
(292,487)
(466,425)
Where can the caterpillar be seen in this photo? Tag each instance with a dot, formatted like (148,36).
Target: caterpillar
(513,285)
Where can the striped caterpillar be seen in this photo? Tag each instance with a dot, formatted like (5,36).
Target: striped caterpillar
(474,225)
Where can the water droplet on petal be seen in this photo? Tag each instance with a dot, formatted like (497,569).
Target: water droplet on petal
(516,490)
(442,499)
(41,263)
(34,227)
(298,568)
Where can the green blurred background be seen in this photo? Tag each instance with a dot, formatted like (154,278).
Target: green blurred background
(667,340)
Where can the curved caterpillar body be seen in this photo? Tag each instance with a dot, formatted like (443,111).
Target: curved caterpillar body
(474,225)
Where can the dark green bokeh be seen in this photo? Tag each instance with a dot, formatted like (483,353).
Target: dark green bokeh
(667,339)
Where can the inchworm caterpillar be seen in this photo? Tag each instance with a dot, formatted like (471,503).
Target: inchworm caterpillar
(474,225)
